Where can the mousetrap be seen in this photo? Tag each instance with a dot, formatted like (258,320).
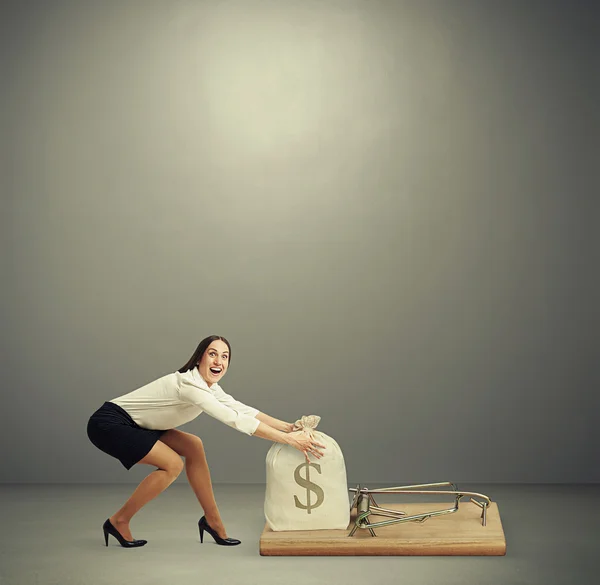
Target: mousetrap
(467,528)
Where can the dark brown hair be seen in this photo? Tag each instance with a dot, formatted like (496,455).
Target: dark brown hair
(197,355)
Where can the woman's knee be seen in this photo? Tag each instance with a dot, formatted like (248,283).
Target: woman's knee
(165,459)
(173,466)
(196,446)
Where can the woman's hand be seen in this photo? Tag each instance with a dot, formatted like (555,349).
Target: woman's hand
(303,442)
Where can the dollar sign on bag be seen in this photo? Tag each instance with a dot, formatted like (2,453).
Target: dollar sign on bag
(310,487)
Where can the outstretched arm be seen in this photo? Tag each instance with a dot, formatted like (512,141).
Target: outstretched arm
(275,423)
(238,406)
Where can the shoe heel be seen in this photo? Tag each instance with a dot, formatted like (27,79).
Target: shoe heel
(106,537)
(201,534)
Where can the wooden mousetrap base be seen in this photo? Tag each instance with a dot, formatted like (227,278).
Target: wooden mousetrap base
(459,533)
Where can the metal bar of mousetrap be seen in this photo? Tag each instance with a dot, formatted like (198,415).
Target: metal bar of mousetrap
(363,499)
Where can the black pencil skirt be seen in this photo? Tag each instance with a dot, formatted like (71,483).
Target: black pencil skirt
(113,431)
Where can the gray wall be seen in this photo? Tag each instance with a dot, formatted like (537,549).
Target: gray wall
(387,207)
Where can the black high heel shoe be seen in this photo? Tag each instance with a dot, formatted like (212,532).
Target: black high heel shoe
(203,525)
(108,528)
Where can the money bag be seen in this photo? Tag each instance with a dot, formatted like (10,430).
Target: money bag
(302,495)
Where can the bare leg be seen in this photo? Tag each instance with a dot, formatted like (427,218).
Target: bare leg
(169,465)
(198,474)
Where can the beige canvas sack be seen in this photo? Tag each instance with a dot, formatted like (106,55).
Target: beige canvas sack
(303,496)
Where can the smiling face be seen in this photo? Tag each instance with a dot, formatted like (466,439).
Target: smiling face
(214,362)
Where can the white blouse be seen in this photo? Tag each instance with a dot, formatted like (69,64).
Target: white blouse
(176,399)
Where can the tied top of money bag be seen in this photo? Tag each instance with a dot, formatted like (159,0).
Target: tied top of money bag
(307,423)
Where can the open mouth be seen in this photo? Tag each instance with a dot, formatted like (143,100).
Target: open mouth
(216,371)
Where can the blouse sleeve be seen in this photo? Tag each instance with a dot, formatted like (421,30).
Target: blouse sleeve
(237,417)
(231,402)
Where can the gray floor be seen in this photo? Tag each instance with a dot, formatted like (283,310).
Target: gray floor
(51,534)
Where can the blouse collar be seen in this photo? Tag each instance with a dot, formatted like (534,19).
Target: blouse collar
(201,381)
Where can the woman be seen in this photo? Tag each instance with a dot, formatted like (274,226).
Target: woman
(139,427)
